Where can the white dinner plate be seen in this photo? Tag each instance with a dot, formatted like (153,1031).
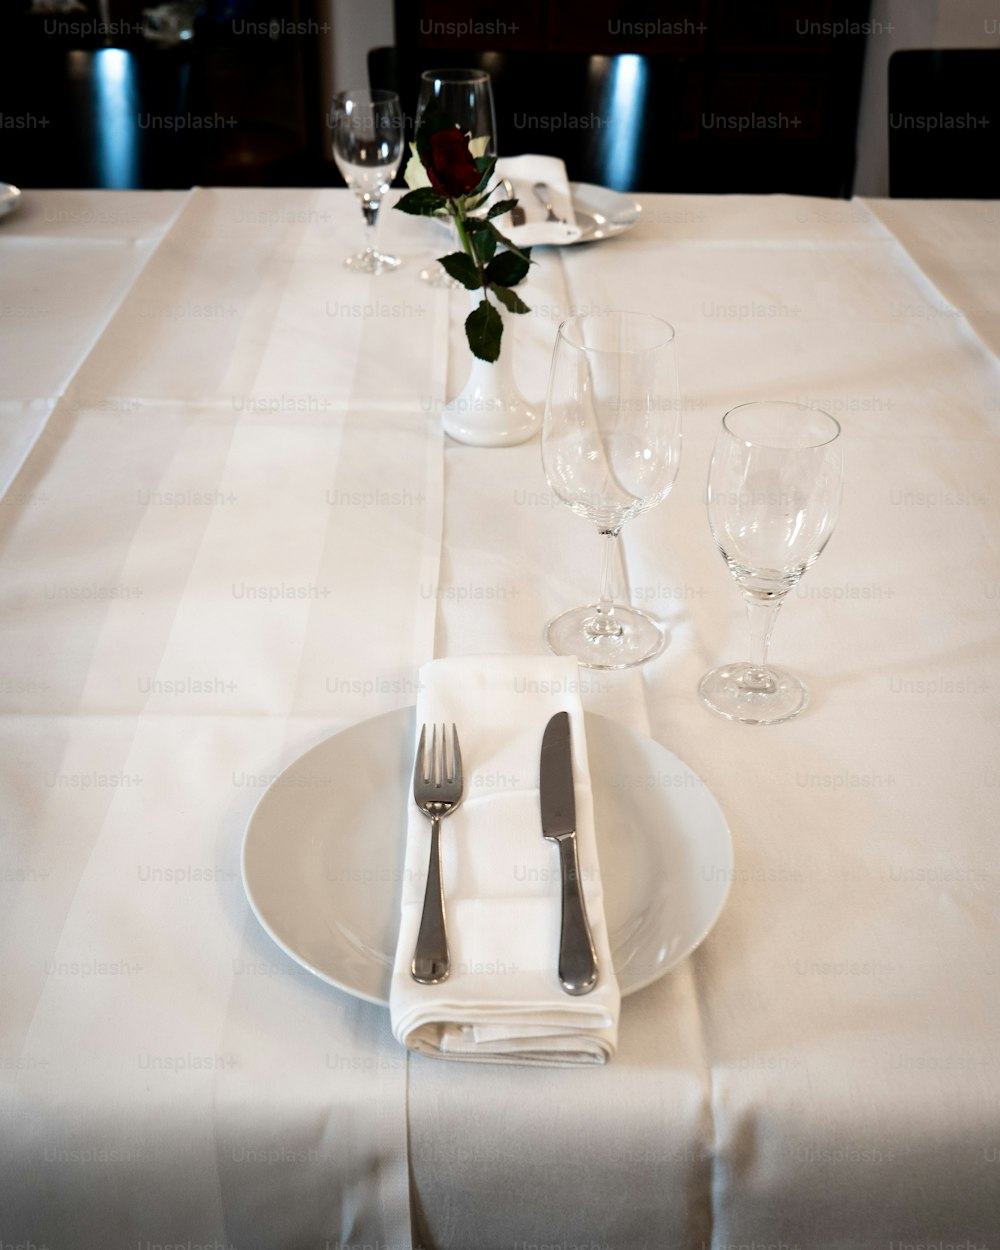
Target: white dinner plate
(10,197)
(600,213)
(323,853)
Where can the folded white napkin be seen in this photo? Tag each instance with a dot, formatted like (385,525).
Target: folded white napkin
(523,172)
(502,1002)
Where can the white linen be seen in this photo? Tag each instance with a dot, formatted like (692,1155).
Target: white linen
(196,550)
(820,1072)
(69,259)
(523,172)
(954,242)
(502,1002)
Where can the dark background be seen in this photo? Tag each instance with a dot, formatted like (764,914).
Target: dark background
(702,96)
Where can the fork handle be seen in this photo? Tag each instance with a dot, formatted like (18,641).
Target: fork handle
(431,961)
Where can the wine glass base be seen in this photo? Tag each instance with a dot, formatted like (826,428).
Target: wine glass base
(727,692)
(439,278)
(574,633)
(371,261)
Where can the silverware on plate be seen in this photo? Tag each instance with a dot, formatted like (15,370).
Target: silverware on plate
(437,791)
(517,217)
(577,957)
(542,193)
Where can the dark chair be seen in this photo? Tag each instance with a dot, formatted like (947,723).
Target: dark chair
(608,117)
(224,107)
(944,124)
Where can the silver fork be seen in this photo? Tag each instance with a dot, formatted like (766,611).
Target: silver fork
(437,791)
(517,212)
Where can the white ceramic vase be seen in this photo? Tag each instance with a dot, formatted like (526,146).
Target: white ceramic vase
(490,411)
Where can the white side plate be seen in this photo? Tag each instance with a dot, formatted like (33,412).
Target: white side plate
(10,197)
(323,853)
(600,213)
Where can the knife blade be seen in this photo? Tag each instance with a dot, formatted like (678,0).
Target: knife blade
(577,957)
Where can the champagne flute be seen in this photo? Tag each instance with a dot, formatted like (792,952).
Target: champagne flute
(611,445)
(368,147)
(774,488)
(466,96)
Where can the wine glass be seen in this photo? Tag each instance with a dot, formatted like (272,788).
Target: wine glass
(368,147)
(774,487)
(466,96)
(611,445)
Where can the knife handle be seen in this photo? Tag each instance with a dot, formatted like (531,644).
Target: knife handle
(577,958)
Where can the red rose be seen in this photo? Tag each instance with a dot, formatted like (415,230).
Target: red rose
(452,171)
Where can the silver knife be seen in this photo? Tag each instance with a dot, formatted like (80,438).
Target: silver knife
(577,958)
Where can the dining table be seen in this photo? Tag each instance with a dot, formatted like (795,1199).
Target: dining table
(231,527)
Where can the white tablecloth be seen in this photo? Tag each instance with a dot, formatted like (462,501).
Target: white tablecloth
(231,526)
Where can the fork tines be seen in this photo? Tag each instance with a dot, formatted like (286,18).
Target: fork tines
(443,769)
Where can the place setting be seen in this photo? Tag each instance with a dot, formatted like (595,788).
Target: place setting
(496,864)
(483,937)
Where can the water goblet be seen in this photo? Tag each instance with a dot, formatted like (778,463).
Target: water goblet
(611,445)
(774,487)
(367,148)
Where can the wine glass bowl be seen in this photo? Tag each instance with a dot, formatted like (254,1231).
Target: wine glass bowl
(611,443)
(367,148)
(774,488)
(466,97)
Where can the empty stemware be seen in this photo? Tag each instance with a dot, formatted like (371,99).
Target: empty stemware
(367,148)
(774,488)
(611,445)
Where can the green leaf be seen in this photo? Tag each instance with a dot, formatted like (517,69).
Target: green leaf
(486,165)
(507,269)
(523,252)
(462,269)
(424,202)
(503,206)
(483,329)
(485,245)
(510,299)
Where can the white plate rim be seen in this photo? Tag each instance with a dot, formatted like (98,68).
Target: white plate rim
(10,198)
(631,987)
(623,198)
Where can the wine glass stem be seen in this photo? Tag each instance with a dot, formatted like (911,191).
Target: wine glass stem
(370,206)
(605,624)
(761,615)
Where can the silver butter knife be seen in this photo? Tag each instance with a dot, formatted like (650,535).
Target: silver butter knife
(577,958)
